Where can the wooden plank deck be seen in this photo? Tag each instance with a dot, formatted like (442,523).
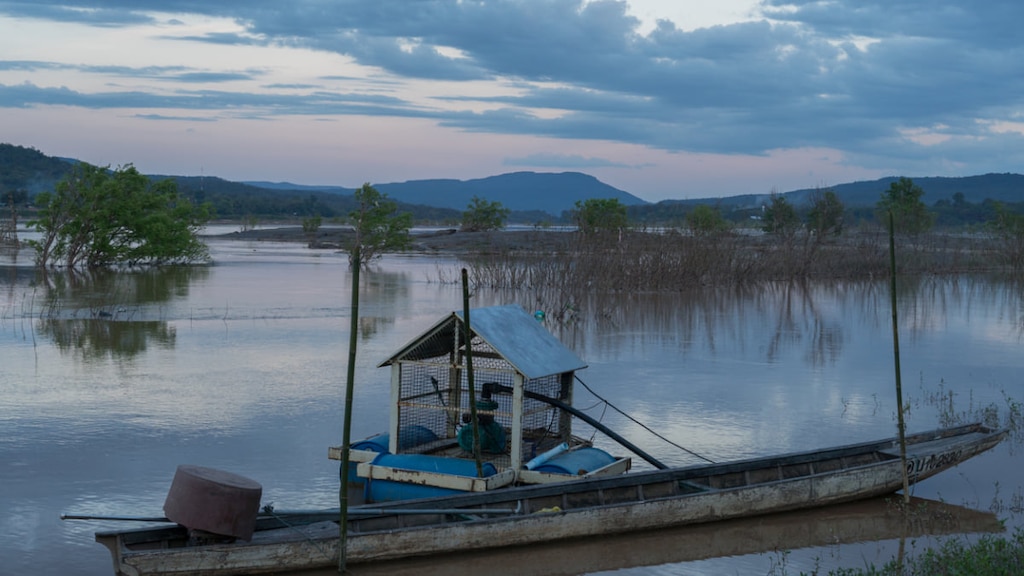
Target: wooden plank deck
(939,445)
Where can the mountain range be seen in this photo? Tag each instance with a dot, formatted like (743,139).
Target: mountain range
(555,192)
(27,171)
(1006,187)
(517,191)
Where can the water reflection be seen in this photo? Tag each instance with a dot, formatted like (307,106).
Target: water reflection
(847,524)
(749,370)
(381,291)
(104,313)
(789,314)
(241,366)
(95,338)
(114,294)
(928,303)
(809,316)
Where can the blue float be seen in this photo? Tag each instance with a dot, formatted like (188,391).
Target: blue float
(377,490)
(408,437)
(577,462)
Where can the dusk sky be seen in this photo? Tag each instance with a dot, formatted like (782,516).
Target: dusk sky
(660,98)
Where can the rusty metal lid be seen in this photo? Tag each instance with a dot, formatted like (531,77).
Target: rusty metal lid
(213,501)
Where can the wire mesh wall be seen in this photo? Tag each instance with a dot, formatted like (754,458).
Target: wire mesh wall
(428,408)
(434,398)
(541,424)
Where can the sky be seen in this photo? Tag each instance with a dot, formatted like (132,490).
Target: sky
(665,99)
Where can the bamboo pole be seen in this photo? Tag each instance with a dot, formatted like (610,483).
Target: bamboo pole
(306,515)
(347,433)
(896,358)
(469,376)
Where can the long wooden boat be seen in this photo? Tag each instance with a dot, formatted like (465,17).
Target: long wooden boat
(527,515)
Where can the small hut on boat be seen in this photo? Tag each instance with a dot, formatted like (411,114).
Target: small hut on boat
(523,383)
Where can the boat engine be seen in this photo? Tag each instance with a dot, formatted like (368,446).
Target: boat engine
(492,436)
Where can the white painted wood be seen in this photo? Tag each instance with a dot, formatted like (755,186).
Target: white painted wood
(334,453)
(436,479)
(396,391)
(516,449)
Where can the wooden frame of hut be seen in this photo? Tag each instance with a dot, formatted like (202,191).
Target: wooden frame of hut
(514,360)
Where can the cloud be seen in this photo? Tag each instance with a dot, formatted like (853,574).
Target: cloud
(991,22)
(91,13)
(174,118)
(221,38)
(173,73)
(565,161)
(207,77)
(26,95)
(867,78)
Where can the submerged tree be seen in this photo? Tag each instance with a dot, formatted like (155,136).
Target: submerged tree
(704,221)
(482,215)
(825,217)
(379,226)
(97,217)
(780,217)
(910,215)
(1008,228)
(310,226)
(600,215)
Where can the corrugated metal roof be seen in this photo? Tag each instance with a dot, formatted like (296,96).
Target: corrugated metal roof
(512,332)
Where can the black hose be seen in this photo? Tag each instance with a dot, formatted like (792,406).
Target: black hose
(589,420)
(641,424)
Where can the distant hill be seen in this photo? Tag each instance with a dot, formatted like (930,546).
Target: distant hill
(532,196)
(29,170)
(240,200)
(518,191)
(1000,187)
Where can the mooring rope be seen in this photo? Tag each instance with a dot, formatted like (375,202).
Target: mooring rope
(268,509)
(641,424)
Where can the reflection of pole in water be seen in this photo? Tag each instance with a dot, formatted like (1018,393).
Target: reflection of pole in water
(900,553)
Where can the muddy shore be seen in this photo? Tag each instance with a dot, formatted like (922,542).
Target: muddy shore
(441,241)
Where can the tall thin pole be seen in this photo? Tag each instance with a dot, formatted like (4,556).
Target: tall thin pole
(469,376)
(896,357)
(347,433)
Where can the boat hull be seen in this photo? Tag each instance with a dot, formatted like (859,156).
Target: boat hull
(595,507)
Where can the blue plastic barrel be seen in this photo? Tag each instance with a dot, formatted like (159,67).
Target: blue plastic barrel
(390,491)
(577,462)
(378,443)
(408,436)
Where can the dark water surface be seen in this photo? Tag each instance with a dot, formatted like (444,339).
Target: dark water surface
(108,382)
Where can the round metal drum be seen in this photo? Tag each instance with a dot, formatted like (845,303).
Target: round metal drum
(213,501)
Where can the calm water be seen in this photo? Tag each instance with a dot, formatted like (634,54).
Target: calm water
(109,382)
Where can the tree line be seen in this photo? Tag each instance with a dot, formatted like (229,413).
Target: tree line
(235,201)
(97,217)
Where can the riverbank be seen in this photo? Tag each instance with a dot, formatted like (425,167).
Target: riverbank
(987,556)
(671,260)
(449,240)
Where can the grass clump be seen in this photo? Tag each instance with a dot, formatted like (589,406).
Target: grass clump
(671,260)
(988,556)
